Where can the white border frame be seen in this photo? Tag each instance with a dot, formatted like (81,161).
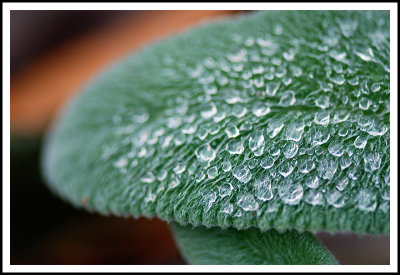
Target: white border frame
(7,7)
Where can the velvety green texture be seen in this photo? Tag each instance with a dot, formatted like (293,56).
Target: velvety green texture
(215,246)
(274,119)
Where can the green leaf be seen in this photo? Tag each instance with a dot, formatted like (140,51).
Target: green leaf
(275,119)
(249,247)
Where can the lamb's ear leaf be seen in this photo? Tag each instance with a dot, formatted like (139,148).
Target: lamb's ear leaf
(276,119)
(214,246)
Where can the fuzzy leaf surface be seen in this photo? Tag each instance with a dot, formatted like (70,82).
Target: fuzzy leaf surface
(218,246)
(275,119)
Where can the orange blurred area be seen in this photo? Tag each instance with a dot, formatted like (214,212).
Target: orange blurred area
(41,88)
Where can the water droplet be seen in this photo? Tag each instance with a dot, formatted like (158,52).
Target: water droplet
(376,128)
(321,118)
(361,141)
(231,130)
(240,56)
(365,54)
(162,175)
(289,55)
(343,132)
(209,199)
(278,30)
(208,110)
(253,163)
(364,103)
(210,89)
(338,68)
(269,76)
(274,150)
(338,79)
(219,116)
(280,71)
(386,176)
(335,198)
(354,173)
(384,207)
(174,122)
(290,193)
(318,151)
(290,149)
(322,101)
(258,82)
(286,169)
(366,200)
(233,98)
(274,127)
(173,182)
(260,109)
(235,146)
(242,173)
(180,139)
(340,116)
(296,71)
(345,161)
(179,168)
(202,133)
(121,163)
(342,183)
(327,168)
(226,165)
(258,69)
(336,148)
(206,153)
(353,81)
(227,208)
(238,110)
(339,56)
(263,189)
(287,80)
(225,189)
(247,202)
(287,98)
(372,161)
(256,143)
(148,177)
(314,197)
(212,172)
(267,162)
(141,116)
(192,168)
(306,165)
(386,195)
(294,131)
(214,129)
(246,126)
(320,136)
(312,182)
(264,42)
(375,87)
(150,197)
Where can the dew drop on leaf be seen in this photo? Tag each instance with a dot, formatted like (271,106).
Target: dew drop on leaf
(290,193)
(242,173)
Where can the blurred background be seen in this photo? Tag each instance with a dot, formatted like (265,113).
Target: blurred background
(53,54)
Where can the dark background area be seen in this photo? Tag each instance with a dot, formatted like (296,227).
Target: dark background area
(34,33)
(47,230)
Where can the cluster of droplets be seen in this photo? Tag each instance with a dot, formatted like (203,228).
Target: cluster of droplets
(279,120)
